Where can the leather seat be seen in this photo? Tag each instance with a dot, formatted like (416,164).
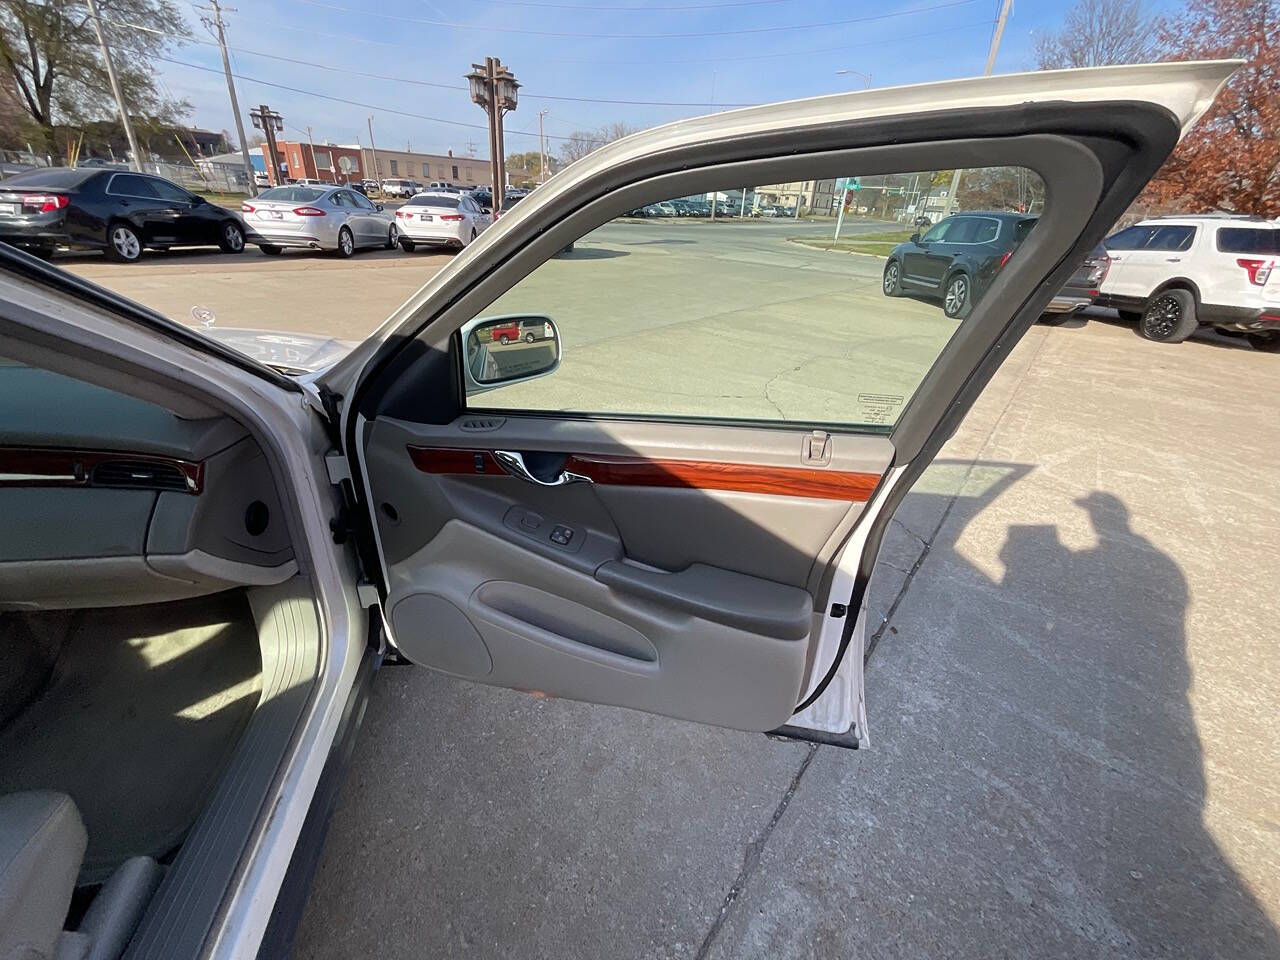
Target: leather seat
(42,842)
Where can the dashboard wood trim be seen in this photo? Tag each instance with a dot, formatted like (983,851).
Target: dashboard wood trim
(63,467)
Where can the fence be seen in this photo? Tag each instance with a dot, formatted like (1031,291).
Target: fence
(205,177)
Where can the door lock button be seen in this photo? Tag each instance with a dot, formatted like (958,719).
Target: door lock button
(561,535)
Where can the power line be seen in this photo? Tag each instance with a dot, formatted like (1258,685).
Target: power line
(620,9)
(700,35)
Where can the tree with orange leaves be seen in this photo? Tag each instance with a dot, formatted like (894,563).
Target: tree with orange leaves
(1231,159)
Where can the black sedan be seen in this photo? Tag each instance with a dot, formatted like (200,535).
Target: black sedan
(120,212)
(957,259)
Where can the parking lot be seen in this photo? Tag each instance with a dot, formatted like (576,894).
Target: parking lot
(1072,679)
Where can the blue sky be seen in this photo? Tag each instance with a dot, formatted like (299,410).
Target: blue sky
(729,52)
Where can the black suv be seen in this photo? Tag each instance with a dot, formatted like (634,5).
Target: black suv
(957,259)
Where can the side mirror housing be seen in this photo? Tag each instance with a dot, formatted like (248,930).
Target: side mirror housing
(379,208)
(915,238)
(497,351)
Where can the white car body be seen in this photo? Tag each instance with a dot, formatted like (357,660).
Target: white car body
(314,431)
(1231,264)
(442,219)
(396,187)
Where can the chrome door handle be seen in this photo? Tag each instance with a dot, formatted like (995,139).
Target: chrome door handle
(514,464)
(1172,259)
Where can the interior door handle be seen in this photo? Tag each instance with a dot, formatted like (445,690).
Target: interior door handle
(514,464)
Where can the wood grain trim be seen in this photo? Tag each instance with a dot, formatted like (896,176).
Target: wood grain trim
(63,467)
(819,484)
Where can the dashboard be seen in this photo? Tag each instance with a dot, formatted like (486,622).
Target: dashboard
(108,500)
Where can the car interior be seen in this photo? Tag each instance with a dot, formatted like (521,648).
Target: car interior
(159,645)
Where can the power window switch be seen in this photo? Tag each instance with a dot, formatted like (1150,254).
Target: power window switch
(561,536)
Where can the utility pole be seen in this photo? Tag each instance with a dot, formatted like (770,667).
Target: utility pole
(115,85)
(269,122)
(495,89)
(217,26)
(377,173)
(542,151)
(991,64)
(315,166)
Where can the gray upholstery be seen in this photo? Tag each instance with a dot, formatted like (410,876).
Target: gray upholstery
(116,910)
(42,841)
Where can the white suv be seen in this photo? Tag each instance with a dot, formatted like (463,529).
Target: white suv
(395,187)
(1173,274)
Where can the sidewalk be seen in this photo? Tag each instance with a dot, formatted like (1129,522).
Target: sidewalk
(1072,707)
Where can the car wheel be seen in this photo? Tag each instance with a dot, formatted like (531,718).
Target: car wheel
(892,279)
(346,243)
(958,297)
(1170,317)
(232,238)
(270,249)
(123,244)
(1266,342)
(504,339)
(406,245)
(44,253)
(391,237)
(528,338)
(1130,316)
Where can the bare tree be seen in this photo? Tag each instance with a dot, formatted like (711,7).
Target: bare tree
(1096,33)
(581,142)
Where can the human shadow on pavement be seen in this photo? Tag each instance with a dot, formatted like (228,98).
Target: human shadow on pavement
(1076,665)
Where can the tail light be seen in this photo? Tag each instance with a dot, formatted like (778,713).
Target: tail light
(247,208)
(1259,270)
(1098,271)
(450,216)
(399,213)
(1004,258)
(308,211)
(46,202)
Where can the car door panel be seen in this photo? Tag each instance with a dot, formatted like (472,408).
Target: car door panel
(668,572)
(675,595)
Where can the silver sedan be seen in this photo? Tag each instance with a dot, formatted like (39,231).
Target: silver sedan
(317,218)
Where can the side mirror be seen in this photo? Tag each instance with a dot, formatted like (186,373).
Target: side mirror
(379,208)
(501,350)
(486,210)
(915,238)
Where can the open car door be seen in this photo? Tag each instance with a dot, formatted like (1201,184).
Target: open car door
(649,461)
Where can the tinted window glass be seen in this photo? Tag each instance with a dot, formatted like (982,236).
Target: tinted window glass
(52,177)
(1131,238)
(943,231)
(131,185)
(292,194)
(1022,230)
(983,230)
(1248,240)
(168,191)
(1173,237)
(433,200)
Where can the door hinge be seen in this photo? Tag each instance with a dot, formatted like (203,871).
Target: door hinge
(817,448)
(338,466)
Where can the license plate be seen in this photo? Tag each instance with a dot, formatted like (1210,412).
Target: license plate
(8,209)
(275,214)
(424,216)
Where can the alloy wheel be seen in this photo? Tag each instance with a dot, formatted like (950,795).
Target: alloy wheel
(1161,318)
(125,242)
(956,296)
(234,237)
(890,278)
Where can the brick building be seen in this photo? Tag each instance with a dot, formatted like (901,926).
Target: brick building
(324,161)
(425,167)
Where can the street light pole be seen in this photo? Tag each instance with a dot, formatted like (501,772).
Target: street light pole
(373,147)
(269,122)
(991,64)
(115,85)
(542,151)
(231,89)
(495,90)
